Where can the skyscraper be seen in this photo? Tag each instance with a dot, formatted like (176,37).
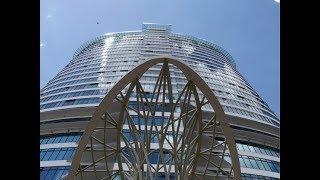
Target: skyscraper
(151,82)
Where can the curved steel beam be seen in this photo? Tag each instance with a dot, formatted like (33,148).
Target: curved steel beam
(136,73)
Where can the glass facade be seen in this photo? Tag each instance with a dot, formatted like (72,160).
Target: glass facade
(99,63)
(255,148)
(53,173)
(56,152)
(256,177)
(59,138)
(259,163)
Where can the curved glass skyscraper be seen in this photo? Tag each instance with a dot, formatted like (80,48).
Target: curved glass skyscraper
(68,101)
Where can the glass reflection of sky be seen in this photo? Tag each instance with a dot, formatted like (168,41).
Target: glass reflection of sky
(106,49)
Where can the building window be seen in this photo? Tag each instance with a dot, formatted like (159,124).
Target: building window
(259,163)
(60,138)
(56,154)
(53,172)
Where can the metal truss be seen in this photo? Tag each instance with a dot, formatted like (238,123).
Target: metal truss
(157,131)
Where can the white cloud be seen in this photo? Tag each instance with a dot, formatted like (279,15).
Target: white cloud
(42,44)
(278,1)
(49,16)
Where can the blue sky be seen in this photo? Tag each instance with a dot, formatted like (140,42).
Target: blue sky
(248,29)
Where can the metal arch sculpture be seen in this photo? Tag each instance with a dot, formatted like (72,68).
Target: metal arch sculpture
(135,134)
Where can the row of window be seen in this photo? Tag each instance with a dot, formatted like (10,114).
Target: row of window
(268,114)
(249,114)
(74,81)
(74,94)
(79,69)
(232,88)
(71,82)
(59,138)
(56,154)
(197,43)
(257,163)
(155,121)
(110,41)
(156,45)
(106,41)
(206,47)
(73,77)
(153,138)
(250,98)
(207,59)
(246,107)
(114,50)
(258,149)
(119,66)
(230,74)
(238,80)
(255,177)
(212,66)
(240,84)
(227,71)
(71,102)
(56,173)
(149,95)
(239,104)
(156,107)
(53,173)
(71,88)
(100,67)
